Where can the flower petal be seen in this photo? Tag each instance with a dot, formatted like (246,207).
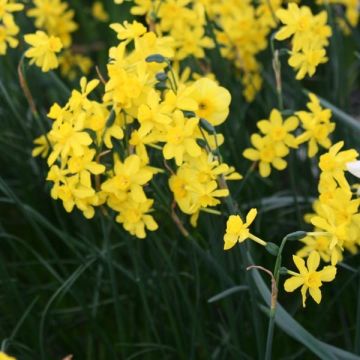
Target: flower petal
(313,261)
(293,283)
(250,216)
(328,273)
(315,294)
(300,264)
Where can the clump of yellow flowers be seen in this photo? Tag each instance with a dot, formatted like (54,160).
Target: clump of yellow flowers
(8,28)
(310,35)
(55,23)
(336,219)
(278,136)
(152,117)
(100,152)
(238,29)
(273,146)
(43,50)
(351,13)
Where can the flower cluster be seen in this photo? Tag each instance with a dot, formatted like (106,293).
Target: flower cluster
(8,27)
(278,136)
(238,231)
(336,218)
(238,29)
(273,146)
(351,13)
(183,20)
(55,23)
(55,18)
(317,126)
(310,35)
(242,31)
(43,50)
(337,225)
(152,117)
(99,152)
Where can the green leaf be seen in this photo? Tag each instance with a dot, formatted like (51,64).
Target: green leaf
(227,293)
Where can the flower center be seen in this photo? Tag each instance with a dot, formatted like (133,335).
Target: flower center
(327,163)
(267,154)
(278,133)
(176,136)
(123,182)
(133,216)
(303,23)
(322,243)
(313,280)
(204,109)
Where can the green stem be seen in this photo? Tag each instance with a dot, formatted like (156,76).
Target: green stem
(294,188)
(270,333)
(232,209)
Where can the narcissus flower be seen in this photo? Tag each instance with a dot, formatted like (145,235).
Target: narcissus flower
(238,231)
(317,126)
(55,18)
(7,7)
(43,50)
(278,129)
(306,61)
(129,177)
(8,31)
(308,277)
(333,163)
(128,31)
(135,218)
(310,35)
(180,139)
(267,153)
(213,101)
(297,21)
(321,244)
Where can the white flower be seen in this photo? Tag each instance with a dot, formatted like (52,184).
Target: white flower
(354,168)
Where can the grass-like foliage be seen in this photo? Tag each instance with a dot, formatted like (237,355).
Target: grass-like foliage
(179,179)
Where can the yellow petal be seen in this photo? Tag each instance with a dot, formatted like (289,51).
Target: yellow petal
(328,273)
(303,293)
(315,294)
(293,283)
(300,264)
(229,241)
(313,261)
(265,169)
(251,154)
(250,216)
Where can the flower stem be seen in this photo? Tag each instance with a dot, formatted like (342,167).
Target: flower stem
(270,333)
(257,239)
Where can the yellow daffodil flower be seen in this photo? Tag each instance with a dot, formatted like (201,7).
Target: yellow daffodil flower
(43,50)
(308,277)
(238,231)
